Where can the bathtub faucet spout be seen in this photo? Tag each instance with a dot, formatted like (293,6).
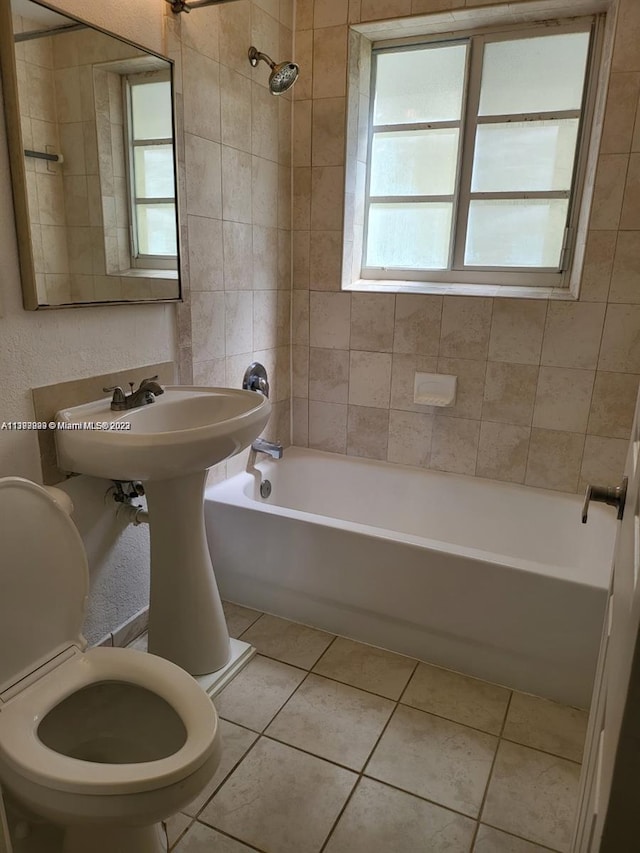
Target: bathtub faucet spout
(271,448)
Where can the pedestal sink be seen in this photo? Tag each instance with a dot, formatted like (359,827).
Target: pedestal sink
(168,445)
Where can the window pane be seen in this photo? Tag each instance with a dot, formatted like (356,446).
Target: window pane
(154,171)
(409,236)
(151,109)
(524,156)
(419,162)
(419,85)
(156,229)
(535,74)
(516,232)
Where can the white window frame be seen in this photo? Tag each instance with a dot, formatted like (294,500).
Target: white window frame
(556,278)
(139,260)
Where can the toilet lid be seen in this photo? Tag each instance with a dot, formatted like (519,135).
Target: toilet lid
(44,579)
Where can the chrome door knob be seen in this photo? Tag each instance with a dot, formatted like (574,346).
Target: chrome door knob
(610,495)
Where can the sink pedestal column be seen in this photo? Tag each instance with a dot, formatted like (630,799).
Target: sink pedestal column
(186,621)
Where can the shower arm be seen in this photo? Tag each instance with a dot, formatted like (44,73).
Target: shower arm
(182,6)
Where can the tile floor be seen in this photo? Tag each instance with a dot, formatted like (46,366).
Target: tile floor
(334,746)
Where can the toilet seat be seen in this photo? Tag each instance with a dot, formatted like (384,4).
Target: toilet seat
(22,750)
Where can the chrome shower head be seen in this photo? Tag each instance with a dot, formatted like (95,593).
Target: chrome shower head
(283,75)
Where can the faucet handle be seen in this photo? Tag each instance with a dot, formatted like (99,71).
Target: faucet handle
(118,393)
(148,379)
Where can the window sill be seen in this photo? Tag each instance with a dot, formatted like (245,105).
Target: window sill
(171,275)
(438,288)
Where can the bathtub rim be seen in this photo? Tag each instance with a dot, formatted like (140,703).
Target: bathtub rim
(232,492)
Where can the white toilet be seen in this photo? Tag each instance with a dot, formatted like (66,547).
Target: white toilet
(106,742)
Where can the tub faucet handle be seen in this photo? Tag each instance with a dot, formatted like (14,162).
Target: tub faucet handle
(610,495)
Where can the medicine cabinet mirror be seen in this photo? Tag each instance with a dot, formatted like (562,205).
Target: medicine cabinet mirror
(91,131)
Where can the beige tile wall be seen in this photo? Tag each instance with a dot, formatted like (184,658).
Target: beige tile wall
(546,389)
(237,187)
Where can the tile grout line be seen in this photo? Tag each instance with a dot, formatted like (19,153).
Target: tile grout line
(361,774)
(493,764)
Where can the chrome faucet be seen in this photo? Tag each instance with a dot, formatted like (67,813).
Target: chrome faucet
(261,445)
(147,392)
(271,448)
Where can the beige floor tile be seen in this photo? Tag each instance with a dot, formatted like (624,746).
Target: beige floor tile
(489,840)
(333,721)
(203,839)
(434,758)
(258,692)
(379,819)
(239,618)
(280,799)
(464,700)
(287,641)
(367,667)
(533,795)
(235,742)
(546,725)
(175,826)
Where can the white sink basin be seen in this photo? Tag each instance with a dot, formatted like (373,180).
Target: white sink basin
(187,429)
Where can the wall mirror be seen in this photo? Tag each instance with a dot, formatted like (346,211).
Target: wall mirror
(90,125)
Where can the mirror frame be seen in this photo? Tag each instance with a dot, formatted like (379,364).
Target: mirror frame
(17,167)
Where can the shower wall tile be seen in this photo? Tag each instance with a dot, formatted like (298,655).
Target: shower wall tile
(510,393)
(201,81)
(603,460)
(609,191)
(328,426)
(620,348)
(563,399)
(598,265)
(630,218)
(301,248)
(613,404)
(330,13)
(471,380)
(367,432)
(235,109)
(265,258)
(300,422)
(325,251)
(622,102)
(204,184)
(374,10)
(372,319)
(328,132)
(329,322)
(466,326)
(572,334)
(327,187)
(502,452)
(625,277)
(554,459)
(409,438)
(238,199)
(454,445)
(370,379)
(328,375)
(417,324)
(330,62)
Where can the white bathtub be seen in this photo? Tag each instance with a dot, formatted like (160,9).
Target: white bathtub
(494,580)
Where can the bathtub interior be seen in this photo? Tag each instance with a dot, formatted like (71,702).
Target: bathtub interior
(510,520)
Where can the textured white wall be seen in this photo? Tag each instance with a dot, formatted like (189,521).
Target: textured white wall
(44,347)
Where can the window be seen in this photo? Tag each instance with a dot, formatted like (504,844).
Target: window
(473,166)
(150,169)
